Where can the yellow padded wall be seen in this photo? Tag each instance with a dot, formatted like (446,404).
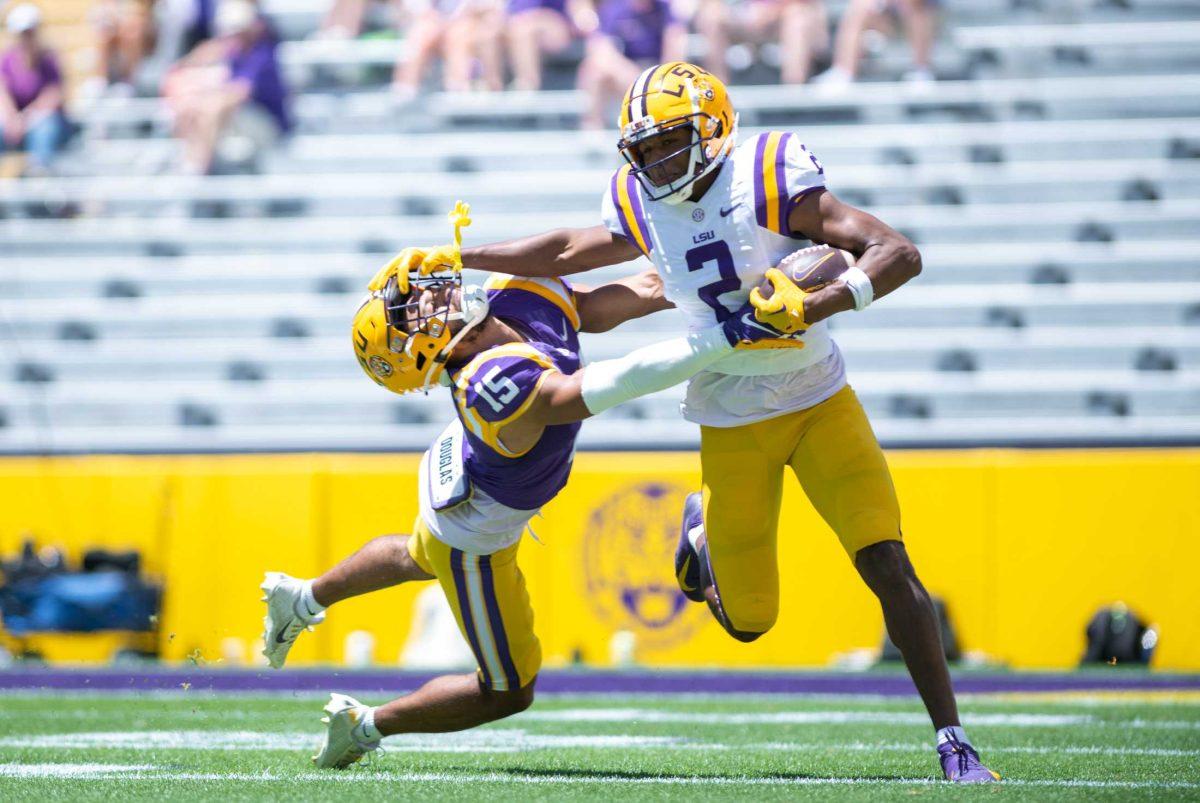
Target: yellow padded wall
(1024,546)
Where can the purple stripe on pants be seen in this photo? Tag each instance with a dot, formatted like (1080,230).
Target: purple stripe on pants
(464,605)
(493,612)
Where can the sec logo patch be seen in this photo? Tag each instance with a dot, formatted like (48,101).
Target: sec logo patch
(697,215)
(628,557)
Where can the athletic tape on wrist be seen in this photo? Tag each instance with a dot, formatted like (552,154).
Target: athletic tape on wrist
(860,287)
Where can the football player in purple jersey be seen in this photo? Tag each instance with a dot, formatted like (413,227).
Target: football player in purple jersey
(509,352)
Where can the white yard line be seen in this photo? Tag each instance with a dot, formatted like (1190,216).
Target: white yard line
(508,740)
(842,717)
(913,747)
(496,740)
(796,717)
(136,772)
(68,770)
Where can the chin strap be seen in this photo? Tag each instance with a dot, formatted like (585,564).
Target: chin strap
(685,192)
(475,307)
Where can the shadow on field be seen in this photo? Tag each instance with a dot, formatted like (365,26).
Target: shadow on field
(625,775)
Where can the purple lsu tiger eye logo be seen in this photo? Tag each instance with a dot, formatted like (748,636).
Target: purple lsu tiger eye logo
(628,561)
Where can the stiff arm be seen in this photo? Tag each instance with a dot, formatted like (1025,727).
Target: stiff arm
(559,252)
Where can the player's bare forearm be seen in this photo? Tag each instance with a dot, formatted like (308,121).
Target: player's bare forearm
(888,257)
(560,252)
(610,305)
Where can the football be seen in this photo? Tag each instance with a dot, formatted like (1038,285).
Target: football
(812,268)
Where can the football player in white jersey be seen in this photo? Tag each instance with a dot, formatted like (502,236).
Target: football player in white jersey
(716,216)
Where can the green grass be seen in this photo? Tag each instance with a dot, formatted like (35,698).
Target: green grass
(201,746)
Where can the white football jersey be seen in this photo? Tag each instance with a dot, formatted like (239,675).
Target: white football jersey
(712,253)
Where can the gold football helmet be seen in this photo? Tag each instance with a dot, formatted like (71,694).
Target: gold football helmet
(666,97)
(402,337)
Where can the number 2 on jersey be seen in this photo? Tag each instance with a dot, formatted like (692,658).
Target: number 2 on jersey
(698,258)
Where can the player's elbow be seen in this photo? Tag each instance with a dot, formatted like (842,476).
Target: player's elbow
(908,259)
(571,256)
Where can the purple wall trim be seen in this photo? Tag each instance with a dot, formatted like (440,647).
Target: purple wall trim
(583,682)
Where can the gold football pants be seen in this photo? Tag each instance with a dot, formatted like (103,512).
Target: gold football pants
(491,605)
(834,454)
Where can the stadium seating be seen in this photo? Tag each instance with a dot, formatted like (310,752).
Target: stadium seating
(1058,217)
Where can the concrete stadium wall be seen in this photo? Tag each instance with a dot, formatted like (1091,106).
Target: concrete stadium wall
(1023,545)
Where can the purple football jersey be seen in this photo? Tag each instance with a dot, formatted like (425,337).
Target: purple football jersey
(495,388)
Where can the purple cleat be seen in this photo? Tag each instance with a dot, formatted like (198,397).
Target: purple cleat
(961,763)
(687,556)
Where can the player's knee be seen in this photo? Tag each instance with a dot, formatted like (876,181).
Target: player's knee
(508,703)
(745,636)
(750,616)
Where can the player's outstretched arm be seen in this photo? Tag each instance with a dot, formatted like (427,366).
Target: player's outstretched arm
(887,257)
(610,305)
(565,399)
(560,252)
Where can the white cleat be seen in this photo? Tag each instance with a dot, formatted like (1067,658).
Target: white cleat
(285,620)
(342,747)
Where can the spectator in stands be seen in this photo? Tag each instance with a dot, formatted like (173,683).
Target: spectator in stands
(799,26)
(920,23)
(466,32)
(230,86)
(535,27)
(182,24)
(31,100)
(624,38)
(126,32)
(346,18)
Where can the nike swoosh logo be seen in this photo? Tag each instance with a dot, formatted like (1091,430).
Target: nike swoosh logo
(813,269)
(725,212)
(752,321)
(279,636)
(682,572)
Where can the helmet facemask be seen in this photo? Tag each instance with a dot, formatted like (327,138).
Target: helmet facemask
(701,159)
(427,337)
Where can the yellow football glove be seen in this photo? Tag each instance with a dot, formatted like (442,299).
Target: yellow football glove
(403,262)
(784,310)
(429,259)
(449,257)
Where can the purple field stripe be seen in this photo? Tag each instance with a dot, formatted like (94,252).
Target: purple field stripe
(781,182)
(616,199)
(639,214)
(760,191)
(578,682)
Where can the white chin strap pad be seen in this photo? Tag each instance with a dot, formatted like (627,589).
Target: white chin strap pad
(474,305)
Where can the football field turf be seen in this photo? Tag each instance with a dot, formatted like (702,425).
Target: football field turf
(192,745)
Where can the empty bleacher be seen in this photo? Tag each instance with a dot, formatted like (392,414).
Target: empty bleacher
(1052,184)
